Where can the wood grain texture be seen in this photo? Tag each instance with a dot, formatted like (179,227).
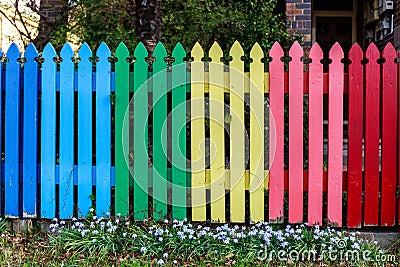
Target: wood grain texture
(30,130)
(122,131)
(217,129)
(66,188)
(257,177)
(276,132)
(85,130)
(179,131)
(237,135)
(140,135)
(335,136)
(103,131)
(197,135)
(48,135)
(389,136)
(355,139)
(372,117)
(295,134)
(12,133)
(315,136)
(160,133)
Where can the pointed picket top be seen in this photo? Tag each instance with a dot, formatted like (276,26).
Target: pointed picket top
(336,52)
(31,52)
(389,52)
(103,51)
(276,52)
(215,52)
(49,52)
(122,51)
(66,52)
(355,49)
(13,51)
(178,53)
(296,51)
(236,51)
(85,52)
(197,52)
(372,52)
(159,53)
(256,53)
(140,51)
(160,50)
(316,54)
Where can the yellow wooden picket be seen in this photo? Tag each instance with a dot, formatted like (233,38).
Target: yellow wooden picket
(257,135)
(217,146)
(197,133)
(237,130)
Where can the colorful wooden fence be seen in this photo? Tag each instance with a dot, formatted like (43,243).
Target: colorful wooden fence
(225,144)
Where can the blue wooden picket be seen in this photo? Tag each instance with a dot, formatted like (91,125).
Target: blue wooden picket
(84,130)
(66,198)
(160,133)
(12,118)
(103,131)
(48,134)
(30,130)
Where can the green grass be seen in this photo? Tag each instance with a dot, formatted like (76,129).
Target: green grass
(117,242)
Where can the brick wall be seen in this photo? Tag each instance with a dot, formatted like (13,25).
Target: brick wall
(298,19)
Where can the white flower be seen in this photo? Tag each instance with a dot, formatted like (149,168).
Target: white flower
(160,239)
(160,262)
(166,221)
(235,240)
(175,262)
(143,249)
(124,234)
(95,232)
(91,209)
(55,220)
(134,235)
(74,219)
(118,214)
(165,255)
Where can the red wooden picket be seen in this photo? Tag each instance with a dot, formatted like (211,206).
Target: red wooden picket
(276,131)
(355,136)
(315,135)
(389,136)
(371,136)
(335,136)
(398,150)
(296,134)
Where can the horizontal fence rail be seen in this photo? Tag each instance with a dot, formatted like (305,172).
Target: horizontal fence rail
(166,137)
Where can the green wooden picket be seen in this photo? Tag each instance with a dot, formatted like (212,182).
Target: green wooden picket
(160,133)
(121,131)
(178,134)
(140,135)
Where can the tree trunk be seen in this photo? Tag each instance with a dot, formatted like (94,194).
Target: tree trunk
(148,23)
(51,13)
